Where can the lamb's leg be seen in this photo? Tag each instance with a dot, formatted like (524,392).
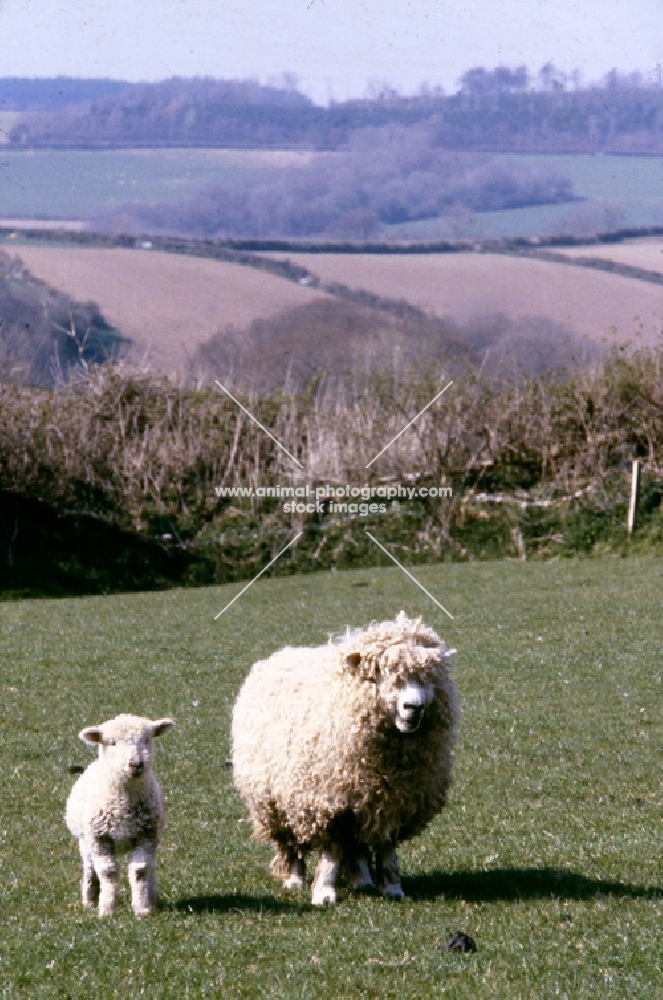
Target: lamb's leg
(143,879)
(90,882)
(108,873)
(289,867)
(323,889)
(389,876)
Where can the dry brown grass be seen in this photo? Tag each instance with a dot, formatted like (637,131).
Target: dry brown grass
(466,286)
(167,304)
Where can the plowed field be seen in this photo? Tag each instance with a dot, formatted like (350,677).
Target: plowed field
(464,286)
(167,304)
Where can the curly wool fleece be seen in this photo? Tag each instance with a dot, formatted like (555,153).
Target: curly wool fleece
(314,737)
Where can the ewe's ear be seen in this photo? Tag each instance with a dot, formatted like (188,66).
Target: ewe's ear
(353,660)
(162,726)
(92,735)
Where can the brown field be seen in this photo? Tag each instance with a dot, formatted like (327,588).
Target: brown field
(647,254)
(167,304)
(468,286)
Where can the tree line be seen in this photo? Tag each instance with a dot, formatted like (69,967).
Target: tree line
(502,109)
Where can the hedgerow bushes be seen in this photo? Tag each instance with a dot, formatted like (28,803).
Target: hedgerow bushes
(536,467)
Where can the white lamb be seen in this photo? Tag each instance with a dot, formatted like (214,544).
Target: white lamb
(346,749)
(116,806)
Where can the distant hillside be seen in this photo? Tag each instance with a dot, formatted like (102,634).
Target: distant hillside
(497,110)
(261,320)
(207,112)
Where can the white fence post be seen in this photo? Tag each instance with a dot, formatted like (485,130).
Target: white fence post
(635,476)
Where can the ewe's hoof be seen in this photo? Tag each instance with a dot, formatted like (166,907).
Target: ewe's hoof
(361,878)
(324,896)
(361,886)
(393,892)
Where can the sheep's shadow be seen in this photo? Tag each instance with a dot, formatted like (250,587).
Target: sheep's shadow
(519,883)
(495,885)
(226,903)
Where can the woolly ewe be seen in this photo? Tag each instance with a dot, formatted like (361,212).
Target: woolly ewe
(116,807)
(346,749)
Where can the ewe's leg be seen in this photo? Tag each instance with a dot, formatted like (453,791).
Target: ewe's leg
(357,861)
(288,867)
(323,889)
(361,877)
(143,879)
(108,873)
(90,883)
(389,876)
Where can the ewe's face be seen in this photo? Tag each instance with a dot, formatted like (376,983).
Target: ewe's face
(127,747)
(403,699)
(412,699)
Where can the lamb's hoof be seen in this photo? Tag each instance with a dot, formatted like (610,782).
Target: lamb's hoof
(294,882)
(324,895)
(141,911)
(106,911)
(393,892)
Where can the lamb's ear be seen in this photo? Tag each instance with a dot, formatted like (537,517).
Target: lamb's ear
(162,726)
(353,660)
(448,653)
(92,735)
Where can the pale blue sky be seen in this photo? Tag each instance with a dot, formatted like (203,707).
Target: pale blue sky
(336,47)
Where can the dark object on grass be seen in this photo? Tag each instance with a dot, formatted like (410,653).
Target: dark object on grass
(460,942)
(227,765)
(75,769)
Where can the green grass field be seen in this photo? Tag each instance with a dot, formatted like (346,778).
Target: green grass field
(548,853)
(52,183)
(76,183)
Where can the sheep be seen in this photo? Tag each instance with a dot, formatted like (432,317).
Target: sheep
(346,749)
(116,806)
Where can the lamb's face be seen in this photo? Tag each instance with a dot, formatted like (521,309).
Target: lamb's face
(126,744)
